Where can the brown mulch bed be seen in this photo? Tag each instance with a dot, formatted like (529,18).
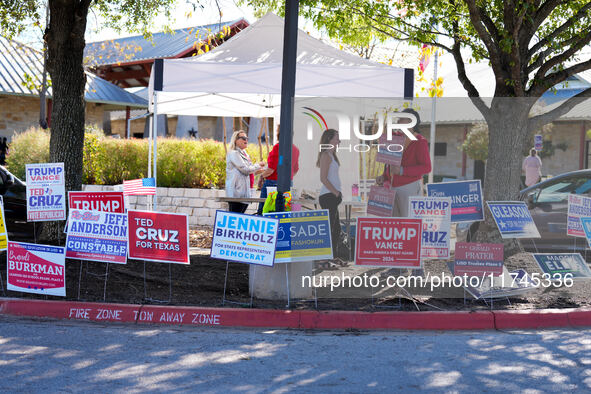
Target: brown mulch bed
(202,284)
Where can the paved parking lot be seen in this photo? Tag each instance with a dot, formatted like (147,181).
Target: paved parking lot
(63,356)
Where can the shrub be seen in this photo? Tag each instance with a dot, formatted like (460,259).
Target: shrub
(109,161)
(28,147)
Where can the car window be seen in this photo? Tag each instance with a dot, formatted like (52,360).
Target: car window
(559,190)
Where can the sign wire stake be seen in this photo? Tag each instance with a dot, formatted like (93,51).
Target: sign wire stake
(105,286)
(2,283)
(254,276)
(225,282)
(80,279)
(286,282)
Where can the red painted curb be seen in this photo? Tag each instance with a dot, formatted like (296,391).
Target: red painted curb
(545,318)
(337,320)
(397,320)
(580,317)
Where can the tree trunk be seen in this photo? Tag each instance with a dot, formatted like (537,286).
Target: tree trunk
(65,44)
(508,131)
(65,50)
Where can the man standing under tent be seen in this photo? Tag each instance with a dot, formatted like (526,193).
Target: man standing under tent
(270,174)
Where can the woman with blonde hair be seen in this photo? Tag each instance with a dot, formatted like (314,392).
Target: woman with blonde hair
(238,170)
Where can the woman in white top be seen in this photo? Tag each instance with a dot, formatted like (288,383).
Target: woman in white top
(532,166)
(330,192)
(238,170)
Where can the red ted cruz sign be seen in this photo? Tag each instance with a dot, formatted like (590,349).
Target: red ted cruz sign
(156,236)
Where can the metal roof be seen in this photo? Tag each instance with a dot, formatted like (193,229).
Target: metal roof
(21,70)
(163,45)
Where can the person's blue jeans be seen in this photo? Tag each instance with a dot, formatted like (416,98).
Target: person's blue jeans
(267,182)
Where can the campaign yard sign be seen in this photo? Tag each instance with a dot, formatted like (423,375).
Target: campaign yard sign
(3,233)
(302,236)
(97,236)
(436,215)
(513,219)
(586,224)
(46,192)
(466,199)
(380,201)
(37,269)
(158,236)
(538,142)
(97,201)
(393,242)
(578,207)
(390,151)
(478,259)
(559,264)
(244,238)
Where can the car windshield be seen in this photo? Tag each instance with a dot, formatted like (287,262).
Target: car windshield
(560,190)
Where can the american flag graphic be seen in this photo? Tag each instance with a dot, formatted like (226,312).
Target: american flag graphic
(144,186)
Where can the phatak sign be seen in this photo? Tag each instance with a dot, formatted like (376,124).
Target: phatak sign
(97,201)
(156,236)
(46,192)
(392,242)
(37,269)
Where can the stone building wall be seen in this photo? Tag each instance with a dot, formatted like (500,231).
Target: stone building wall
(19,113)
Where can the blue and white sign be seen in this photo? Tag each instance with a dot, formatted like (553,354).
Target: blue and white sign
(538,142)
(513,219)
(586,223)
(578,207)
(302,236)
(97,236)
(244,238)
(46,192)
(436,215)
(466,199)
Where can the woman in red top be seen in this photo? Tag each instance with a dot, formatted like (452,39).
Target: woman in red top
(407,179)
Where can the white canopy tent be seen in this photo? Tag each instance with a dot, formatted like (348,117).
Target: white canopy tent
(242,77)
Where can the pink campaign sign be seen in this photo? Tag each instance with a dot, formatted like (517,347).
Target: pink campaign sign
(38,269)
(380,201)
(478,259)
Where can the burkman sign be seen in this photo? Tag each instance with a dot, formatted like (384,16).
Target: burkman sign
(244,238)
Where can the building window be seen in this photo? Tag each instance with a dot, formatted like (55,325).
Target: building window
(440,148)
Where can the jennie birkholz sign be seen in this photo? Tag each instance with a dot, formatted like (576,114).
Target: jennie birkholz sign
(476,259)
(37,269)
(46,192)
(380,201)
(466,199)
(97,201)
(436,215)
(244,238)
(513,219)
(302,236)
(157,236)
(97,236)
(393,242)
(578,207)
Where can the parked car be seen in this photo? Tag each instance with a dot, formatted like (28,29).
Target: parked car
(548,203)
(14,194)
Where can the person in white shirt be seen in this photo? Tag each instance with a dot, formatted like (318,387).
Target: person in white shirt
(532,166)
